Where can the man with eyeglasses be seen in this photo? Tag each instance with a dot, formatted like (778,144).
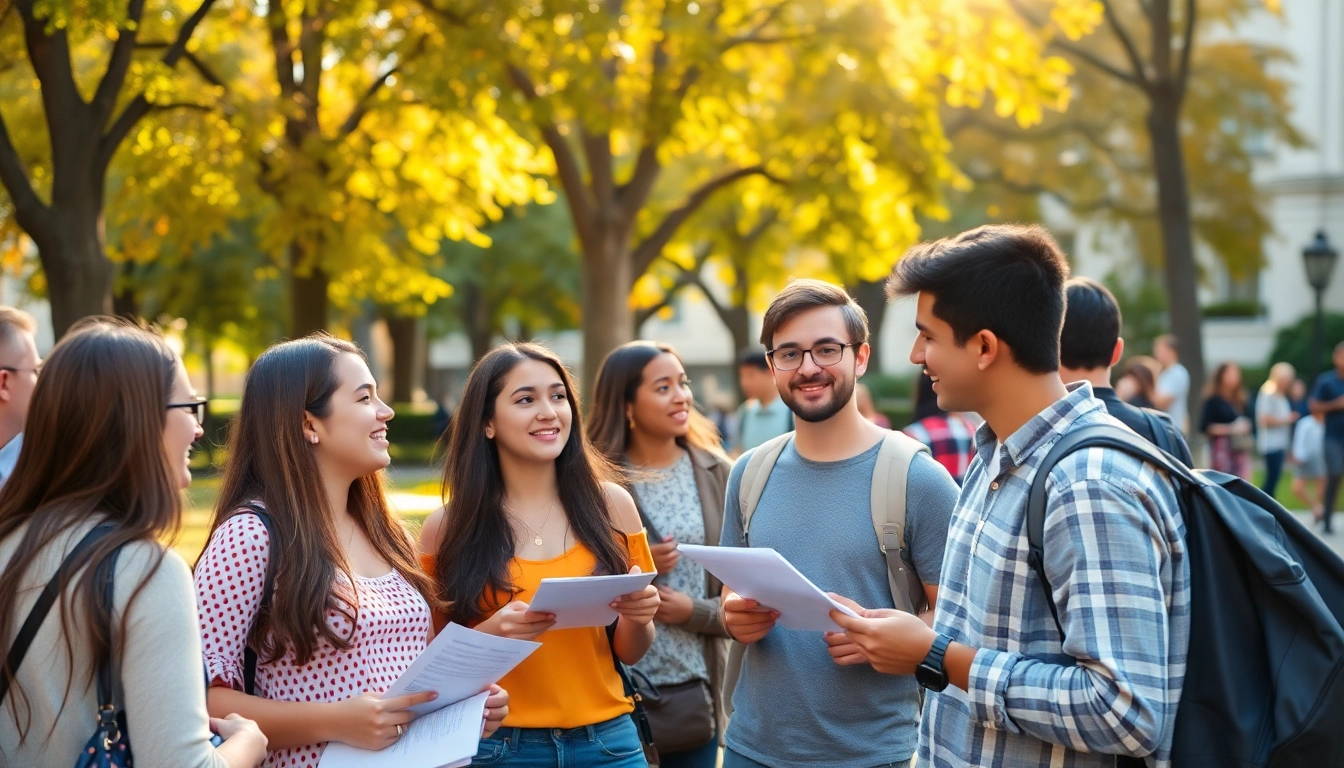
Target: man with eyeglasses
(19,364)
(808,699)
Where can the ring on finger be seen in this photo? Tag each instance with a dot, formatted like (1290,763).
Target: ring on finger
(400,731)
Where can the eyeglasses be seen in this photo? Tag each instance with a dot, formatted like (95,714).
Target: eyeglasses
(36,370)
(197,407)
(791,359)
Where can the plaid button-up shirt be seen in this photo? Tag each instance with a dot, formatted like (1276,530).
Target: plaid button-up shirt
(1115,556)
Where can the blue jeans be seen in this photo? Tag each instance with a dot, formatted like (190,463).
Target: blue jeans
(733,759)
(612,744)
(705,756)
(1273,471)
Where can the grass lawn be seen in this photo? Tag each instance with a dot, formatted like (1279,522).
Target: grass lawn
(414,499)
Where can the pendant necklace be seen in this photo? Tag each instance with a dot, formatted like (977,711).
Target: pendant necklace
(536,534)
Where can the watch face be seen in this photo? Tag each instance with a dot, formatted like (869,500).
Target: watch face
(933,679)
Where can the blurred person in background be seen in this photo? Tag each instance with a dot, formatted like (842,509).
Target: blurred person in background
(949,436)
(1275,416)
(1327,401)
(19,363)
(1137,385)
(1297,397)
(1308,461)
(867,409)
(764,415)
(1173,383)
(1223,421)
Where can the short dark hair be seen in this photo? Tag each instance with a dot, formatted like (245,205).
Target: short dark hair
(1091,326)
(804,294)
(1005,278)
(753,358)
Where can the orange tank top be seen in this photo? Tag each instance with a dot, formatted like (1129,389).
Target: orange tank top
(570,680)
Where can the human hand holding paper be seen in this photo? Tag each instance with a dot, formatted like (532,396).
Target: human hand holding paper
(762,575)
(459,664)
(588,601)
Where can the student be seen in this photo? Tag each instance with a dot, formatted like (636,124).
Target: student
(1090,344)
(348,613)
(1309,463)
(1004,688)
(113,418)
(1172,393)
(1224,422)
(764,415)
(805,699)
(19,363)
(644,417)
(1275,416)
(950,437)
(529,498)
(1137,386)
(1327,401)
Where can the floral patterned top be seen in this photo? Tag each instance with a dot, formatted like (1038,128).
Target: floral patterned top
(672,502)
(393,627)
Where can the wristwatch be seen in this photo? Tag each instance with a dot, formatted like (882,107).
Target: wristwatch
(930,673)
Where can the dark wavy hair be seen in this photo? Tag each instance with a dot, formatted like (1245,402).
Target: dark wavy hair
(617,382)
(92,448)
(269,460)
(478,542)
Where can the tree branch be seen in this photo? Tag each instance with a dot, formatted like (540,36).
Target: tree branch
(647,251)
(1187,45)
(182,105)
(139,106)
(29,210)
(118,64)
(1077,207)
(1135,79)
(204,70)
(363,105)
(1126,41)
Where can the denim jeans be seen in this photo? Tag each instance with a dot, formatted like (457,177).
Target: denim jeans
(1273,471)
(611,744)
(704,756)
(733,759)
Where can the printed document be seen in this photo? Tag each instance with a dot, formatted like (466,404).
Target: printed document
(459,663)
(445,738)
(763,575)
(585,601)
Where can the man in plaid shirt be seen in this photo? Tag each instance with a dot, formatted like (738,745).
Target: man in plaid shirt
(1005,688)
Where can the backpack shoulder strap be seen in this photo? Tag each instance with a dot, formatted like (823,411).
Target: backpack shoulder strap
(754,478)
(267,591)
(891,477)
(28,632)
(1092,436)
(1158,428)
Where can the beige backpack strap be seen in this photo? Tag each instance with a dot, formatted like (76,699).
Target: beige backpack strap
(755,476)
(890,478)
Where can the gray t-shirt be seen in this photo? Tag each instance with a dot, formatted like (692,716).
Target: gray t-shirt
(793,706)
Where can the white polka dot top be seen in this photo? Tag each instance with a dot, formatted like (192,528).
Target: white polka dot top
(393,629)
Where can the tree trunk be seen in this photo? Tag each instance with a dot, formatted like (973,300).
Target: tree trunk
(307,294)
(608,322)
(1178,248)
(124,301)
(79,276)
(872,298)
(407,357)
(476,319)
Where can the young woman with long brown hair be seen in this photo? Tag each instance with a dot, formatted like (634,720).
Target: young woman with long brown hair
(349,611)
(107,445)
(644,417)
(529,498)
(1224,422)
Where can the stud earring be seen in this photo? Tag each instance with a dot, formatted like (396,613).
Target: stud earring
(489,434)
(631,419)
(313,439)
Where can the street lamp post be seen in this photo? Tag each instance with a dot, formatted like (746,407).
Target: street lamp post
(1319,259)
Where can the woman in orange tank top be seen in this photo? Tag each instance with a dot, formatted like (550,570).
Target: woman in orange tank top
(530,499)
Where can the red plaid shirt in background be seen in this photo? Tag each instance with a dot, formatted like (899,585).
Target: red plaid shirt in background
(950,438)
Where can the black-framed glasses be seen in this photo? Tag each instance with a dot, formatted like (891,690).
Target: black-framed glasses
(197,407)
(791,358)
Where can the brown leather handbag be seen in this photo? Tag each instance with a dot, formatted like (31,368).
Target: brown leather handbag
(681,715)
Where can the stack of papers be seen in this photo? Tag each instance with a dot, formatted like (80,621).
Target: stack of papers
(763,575)
(459,665)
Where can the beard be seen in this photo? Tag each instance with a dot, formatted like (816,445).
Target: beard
(842,391)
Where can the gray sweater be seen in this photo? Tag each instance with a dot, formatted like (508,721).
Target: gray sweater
(160,680)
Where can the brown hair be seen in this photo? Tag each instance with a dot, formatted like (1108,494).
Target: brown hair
(478,544)
(269,461)
(617,382)
(90,455)
(1143,370)
(1215,387)
(801,295)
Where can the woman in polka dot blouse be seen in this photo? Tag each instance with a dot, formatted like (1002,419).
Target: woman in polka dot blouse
(349,611)
(528,501)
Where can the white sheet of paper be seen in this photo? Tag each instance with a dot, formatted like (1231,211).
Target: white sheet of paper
(763,575)
(459,663)
(585,601)
(445,738)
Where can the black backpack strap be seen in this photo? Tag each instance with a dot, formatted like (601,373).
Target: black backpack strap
(1091,436)
(267,591)
(1159,430)
(107,713)
(73,560)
